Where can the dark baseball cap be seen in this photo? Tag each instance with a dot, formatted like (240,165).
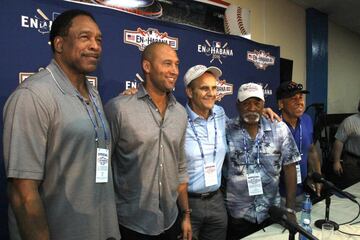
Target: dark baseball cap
(289,89)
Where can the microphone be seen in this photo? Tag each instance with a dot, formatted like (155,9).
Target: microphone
(279,215)
(316,177)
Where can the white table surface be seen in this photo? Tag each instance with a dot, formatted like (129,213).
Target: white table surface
(341,210)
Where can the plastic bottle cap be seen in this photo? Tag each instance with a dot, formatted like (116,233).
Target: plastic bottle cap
(306,221)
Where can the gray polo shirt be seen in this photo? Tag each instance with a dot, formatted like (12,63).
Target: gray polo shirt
(349,134)
(48,136)
(148,160)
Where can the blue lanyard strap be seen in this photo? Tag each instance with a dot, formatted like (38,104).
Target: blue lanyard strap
(92,99)
(198,139)
(93,121)
(300,138)
(247,161)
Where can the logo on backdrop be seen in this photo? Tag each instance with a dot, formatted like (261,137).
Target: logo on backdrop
(267,90)
(135,83)
(24,75)
(216,50)
(261,59)
(223,88)
(141,38)
(40,21)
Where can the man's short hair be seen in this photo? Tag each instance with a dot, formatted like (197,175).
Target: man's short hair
(62,23)
(149,50)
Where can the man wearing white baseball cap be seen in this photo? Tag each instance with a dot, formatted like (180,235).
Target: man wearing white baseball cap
(258,150)
(205,149)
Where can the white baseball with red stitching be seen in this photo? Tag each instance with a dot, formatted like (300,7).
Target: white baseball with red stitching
(237,21)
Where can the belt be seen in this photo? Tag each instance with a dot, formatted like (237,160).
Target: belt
(206,195)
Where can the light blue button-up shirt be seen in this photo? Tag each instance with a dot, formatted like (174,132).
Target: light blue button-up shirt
(205,129)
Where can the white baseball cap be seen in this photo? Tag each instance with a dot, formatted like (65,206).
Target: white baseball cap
(249,90)
(198,70)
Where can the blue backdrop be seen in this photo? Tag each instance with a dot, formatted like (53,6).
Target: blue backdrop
(24,48)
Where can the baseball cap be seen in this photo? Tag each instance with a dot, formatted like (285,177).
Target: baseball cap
(249,90)
(289,89)
(198,70)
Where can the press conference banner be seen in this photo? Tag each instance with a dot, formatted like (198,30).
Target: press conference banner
(24,47)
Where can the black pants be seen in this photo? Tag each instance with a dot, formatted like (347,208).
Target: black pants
(239,228)
(172,233)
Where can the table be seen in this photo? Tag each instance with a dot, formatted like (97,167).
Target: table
(341,210)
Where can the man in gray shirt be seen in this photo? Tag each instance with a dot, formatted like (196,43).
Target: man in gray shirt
(148,131)
(57,141)
(347,148)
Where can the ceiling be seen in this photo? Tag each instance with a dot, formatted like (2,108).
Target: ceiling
(345,13)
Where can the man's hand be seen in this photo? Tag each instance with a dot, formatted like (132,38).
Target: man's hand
(270,114)
(318,187)
(291,217)
(186,227)
(315,187)
(130,91)
(338,168)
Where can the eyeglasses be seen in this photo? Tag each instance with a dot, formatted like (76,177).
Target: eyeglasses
(294,86)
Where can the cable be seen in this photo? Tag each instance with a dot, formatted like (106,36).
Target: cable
(350,234)
(358,214)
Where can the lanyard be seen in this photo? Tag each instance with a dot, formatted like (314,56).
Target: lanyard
(300,138)
(247,161)
(93,121)
(198,139)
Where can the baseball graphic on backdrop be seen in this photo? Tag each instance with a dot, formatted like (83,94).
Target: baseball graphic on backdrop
(237,21)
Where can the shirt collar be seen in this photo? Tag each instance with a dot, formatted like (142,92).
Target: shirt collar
(143,93)
(64,83)
(193,115)
(297,123)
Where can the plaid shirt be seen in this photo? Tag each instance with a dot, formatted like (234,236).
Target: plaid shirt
(272,148)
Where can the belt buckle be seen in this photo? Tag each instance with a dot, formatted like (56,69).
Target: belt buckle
(205,195)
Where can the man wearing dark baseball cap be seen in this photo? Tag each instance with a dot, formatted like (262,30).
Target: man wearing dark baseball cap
(288,89)
(291,102)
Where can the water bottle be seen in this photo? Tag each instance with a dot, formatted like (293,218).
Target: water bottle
(306,209)
(307,227)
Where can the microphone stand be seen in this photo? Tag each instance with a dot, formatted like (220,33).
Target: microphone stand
(292,233)
(320,222)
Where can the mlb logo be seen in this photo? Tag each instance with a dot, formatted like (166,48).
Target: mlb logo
(172,43)
(216,44)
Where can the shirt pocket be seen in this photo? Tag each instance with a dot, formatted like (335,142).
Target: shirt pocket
(270,168)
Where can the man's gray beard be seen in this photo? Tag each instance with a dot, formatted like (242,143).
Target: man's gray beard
(247,116)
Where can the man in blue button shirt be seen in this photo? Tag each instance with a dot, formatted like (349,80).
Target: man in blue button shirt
(205,148)
(291,102)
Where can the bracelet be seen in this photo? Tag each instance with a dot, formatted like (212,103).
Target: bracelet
(289,210)
(187,211)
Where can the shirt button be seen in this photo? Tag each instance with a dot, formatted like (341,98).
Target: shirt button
(160,183)
(160,164)
(161,146)
(157,110)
